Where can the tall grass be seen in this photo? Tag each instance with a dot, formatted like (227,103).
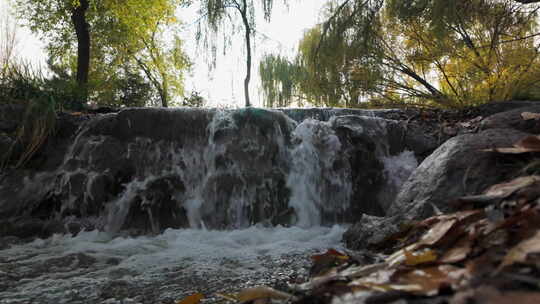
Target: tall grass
(41,97)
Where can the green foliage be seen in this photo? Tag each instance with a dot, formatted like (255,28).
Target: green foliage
(425,52)
(279,79)
(194,100)
(21,84)
(128,33)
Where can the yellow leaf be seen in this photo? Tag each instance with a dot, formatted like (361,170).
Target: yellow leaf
(426,256)
(192,299)
(251,294)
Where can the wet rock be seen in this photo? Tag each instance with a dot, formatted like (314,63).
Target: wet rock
(5,144)
(22,227)
(370,231)
(7,241)
(361,148)
(11,115)
(513,120)
(457,168)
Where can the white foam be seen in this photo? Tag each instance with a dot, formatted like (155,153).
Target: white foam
(151,260)
(175,245)
(313,174)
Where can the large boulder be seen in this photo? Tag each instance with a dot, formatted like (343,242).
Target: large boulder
(458,167)
(513,119)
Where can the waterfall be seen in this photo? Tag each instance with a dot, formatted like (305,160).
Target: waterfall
(145,170)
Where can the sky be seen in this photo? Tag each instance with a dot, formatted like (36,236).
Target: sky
(223,85)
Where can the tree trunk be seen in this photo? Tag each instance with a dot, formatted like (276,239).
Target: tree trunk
(165,94)
(78,17)
(243,12)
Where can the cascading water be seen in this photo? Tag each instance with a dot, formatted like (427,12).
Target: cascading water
(181,176)
(314,182)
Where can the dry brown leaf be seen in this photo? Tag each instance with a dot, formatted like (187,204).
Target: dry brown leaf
(457,253)
(490,295)
(530,116)
(378,280)
(417,258)
(428,281)
(323,263)
(437,232)
(192,299)
(504,190)
(519,253)
(528,144)
(360,271)
(255,293)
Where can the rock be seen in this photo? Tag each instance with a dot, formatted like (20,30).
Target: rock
(361,145)
(5,145)
(22,228)
(370,231)
(513,120)
(11,115)
(456,168)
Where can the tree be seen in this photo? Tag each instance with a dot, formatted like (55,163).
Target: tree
(433,52)
(78,11)
(57,19)
(280,79)
(122,33)
(216,12)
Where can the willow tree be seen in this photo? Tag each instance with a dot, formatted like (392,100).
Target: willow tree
(434,52)
(280,79)
(218,12)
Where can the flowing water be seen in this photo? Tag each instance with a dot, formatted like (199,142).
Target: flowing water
(216,185)
(96,267)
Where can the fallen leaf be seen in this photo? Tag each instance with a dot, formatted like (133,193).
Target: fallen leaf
(360,271)
(255,293)
(504,190)
(437,232)
(322,263)
(376,281)
(330,253)
(530,116)
(519,253)
(491,295)
(457,253)
(428,281)
(422,257)
(398,257)
(528,144)
(192,299)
